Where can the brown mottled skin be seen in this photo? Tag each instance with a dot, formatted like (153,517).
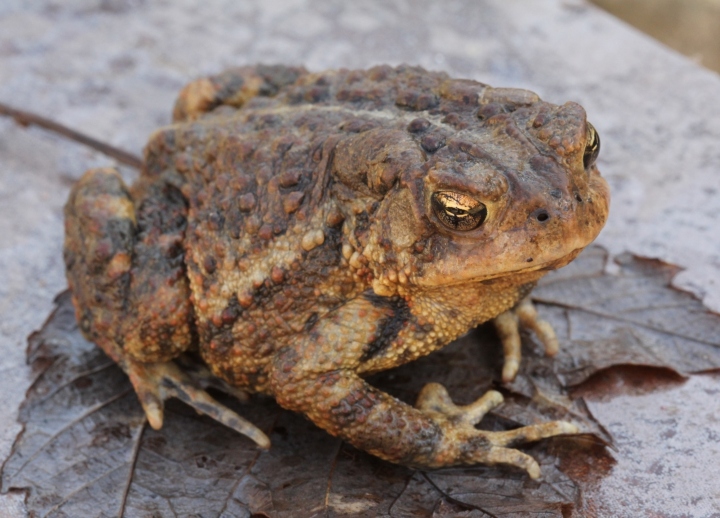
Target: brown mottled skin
(287,227)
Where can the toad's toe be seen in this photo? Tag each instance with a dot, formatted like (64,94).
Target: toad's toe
(155,383)
(434,400)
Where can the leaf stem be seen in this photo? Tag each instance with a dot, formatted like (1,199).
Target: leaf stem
(27,118)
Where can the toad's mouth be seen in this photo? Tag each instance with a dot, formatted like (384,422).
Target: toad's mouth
(562,261)
(548,266)
(539,269)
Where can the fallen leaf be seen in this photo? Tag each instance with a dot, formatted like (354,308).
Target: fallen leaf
(86,449)
(633,317)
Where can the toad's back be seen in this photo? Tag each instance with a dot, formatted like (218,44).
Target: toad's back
(264,242)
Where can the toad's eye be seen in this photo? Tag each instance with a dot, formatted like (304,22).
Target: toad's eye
(592,146)
(458,211)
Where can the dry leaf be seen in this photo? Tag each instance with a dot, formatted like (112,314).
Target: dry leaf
(631,318)
(87,451)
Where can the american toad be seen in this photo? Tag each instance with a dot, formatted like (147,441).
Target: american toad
(303,230)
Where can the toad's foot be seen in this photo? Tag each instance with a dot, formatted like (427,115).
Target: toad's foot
(508,328)
(154,383)
(463,441)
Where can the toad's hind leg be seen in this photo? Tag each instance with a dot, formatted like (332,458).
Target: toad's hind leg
(233,87)
(125,266)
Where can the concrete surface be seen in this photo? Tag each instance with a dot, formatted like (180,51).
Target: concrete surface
(661,464)
(111,68)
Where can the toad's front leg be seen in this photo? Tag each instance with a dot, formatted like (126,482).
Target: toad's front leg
(508,325)
(318,378)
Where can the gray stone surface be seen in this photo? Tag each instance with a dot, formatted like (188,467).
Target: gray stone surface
(111,68)
(660,463)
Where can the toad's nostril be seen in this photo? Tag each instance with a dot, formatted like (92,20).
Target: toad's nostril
(541,215)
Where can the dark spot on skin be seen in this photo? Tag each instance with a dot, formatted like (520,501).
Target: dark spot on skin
(175,251)
(501,119)
(432,142)
(542,118)
(279,227)
(289,178)
(416,100)
(234,220)
(292,201)
(578,198)
(265,232)
(246,202)
(556,193)
(452,119)
(120,233)
(389,327)
(210,264)
(322,81)
(354,408)
(277,274)
(489,110)
(335,217)
(311,321)
(231,312)
(267,121)
(357,126)
(529,260)
(216,221)
(317,94)
(418,125)
(362,222)
(377,74)
(471,149)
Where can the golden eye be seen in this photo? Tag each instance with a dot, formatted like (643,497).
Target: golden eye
(592,146)
(458,211)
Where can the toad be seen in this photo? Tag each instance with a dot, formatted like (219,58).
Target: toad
(300,231)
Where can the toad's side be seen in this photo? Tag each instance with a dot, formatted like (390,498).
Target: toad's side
(304,230)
